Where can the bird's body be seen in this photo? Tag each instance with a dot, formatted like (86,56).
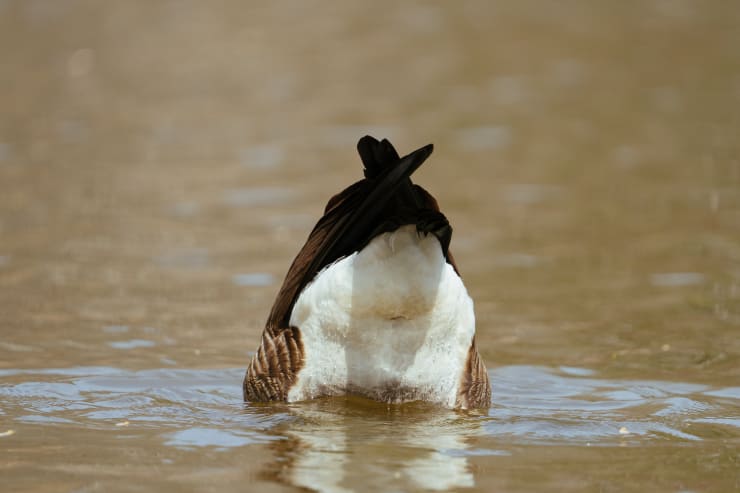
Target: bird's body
(373,304)
(392,322)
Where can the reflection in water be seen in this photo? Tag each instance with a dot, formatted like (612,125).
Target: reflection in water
(351,444)
(337,444)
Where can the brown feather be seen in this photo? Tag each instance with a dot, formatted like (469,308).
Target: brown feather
(274,366)
(475,388)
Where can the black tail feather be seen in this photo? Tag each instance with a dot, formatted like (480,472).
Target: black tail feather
(376,155)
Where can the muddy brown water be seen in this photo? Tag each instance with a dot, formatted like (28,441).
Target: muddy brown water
(162,162)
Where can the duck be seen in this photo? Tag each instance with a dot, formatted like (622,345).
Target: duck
(373,305)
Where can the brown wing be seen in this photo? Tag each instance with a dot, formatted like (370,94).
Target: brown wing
(274,366)
(475,388)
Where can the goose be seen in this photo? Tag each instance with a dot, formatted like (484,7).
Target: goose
(373,304)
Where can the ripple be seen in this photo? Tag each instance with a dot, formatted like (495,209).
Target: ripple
(186,258)
(522,260)
(248,197)
(735,422)
(577,372)
(730,392)
(529,193)
(676,279)
(195,408)
(132,344)
(212,437)
(262,156)
(253,279)
(483,138)
(184,209)
(115,329)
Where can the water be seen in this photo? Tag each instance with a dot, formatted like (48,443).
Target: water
(196,416)
(162,163)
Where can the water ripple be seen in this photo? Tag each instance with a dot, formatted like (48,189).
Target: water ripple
(204,407)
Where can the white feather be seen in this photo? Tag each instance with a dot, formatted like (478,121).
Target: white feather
(393,322)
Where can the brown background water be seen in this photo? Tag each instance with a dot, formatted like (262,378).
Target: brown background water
(162,162)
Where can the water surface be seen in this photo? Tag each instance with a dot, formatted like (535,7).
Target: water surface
(160,422)
(162,162)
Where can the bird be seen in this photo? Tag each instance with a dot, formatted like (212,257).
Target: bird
(373,305)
